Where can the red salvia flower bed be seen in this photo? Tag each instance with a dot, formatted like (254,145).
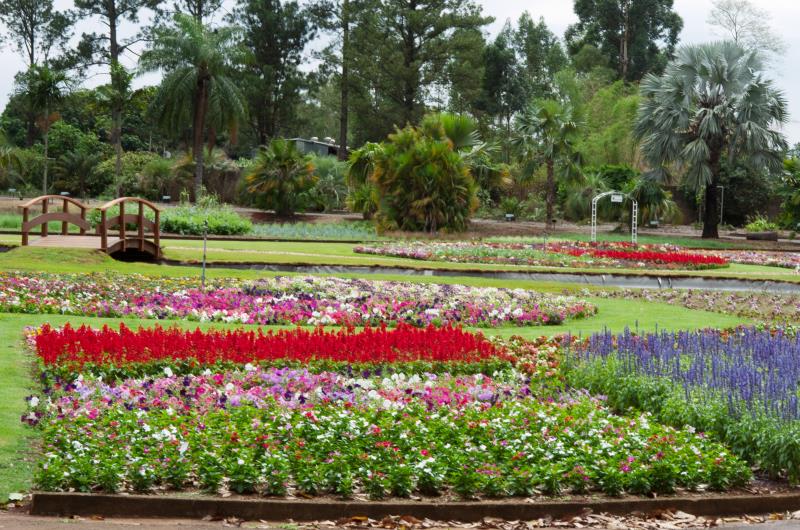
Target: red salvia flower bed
(75,347)
(650,256)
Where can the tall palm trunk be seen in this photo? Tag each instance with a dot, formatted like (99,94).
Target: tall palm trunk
(711,214)
(200,108)
(551,193)
(46,149)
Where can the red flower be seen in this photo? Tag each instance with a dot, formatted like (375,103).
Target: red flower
(75,347)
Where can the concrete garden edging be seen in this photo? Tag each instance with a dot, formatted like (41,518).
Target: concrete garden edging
(88,504)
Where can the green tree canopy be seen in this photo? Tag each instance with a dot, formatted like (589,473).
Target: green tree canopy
(637,36)
(275,35)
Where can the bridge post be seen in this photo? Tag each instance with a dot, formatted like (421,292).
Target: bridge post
(45,202)
(24,228)
(103,232)
(83,218)
(65,209)
(141,227)
(157,233)
(122,226)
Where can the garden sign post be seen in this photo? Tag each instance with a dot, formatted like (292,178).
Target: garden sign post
(205,239)
(617,197)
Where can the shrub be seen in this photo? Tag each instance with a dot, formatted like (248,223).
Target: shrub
(760,223)
(131,181)
(329,191)
(423,183)
(280,175)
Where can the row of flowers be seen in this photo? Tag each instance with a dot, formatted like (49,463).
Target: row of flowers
(251,428)
(73,348)
(770,258)
(286,300)
(553,254)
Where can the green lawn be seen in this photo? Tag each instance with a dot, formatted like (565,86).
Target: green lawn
(308,253)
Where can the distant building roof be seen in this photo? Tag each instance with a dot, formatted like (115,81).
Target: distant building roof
(327,146)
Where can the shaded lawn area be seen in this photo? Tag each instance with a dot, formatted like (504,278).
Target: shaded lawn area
(17,367)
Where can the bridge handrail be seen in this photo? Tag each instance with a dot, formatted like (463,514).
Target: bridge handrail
(121,200)
(140,219)
(45,217)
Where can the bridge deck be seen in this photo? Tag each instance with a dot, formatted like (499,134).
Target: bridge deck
(59,241)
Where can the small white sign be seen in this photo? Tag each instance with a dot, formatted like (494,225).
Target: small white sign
(617,197)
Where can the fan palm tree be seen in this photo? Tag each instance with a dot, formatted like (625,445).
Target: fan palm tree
(197,87)
(711,101)
(280,173)
(548,131)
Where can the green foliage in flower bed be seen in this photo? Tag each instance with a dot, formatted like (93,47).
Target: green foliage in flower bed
(188,219)
(342,231)
(384,446)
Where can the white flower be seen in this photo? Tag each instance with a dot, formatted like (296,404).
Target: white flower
(240,462)
(168,371)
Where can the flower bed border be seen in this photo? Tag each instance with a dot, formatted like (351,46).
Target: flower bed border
(196,507)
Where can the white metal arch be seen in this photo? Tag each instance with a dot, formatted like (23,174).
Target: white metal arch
(634,213)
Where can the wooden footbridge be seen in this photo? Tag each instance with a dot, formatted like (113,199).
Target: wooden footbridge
(111,235)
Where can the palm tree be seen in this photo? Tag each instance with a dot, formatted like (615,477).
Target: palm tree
(197,86)
(548,131)
(363,196)
(578,204)
(711,101)
(44,88)
(280,173)
(76,168)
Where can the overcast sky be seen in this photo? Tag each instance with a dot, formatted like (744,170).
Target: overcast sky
(558,14)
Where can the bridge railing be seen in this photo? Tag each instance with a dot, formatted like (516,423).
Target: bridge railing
(123,219)
(65,216)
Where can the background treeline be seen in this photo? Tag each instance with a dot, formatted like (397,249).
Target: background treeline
(524,122)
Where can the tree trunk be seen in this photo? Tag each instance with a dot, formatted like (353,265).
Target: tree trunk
(117,133)
(116,112)
(623,45)
(201,102)
(345,88)
(551,194)
(46,150)
(711,213)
